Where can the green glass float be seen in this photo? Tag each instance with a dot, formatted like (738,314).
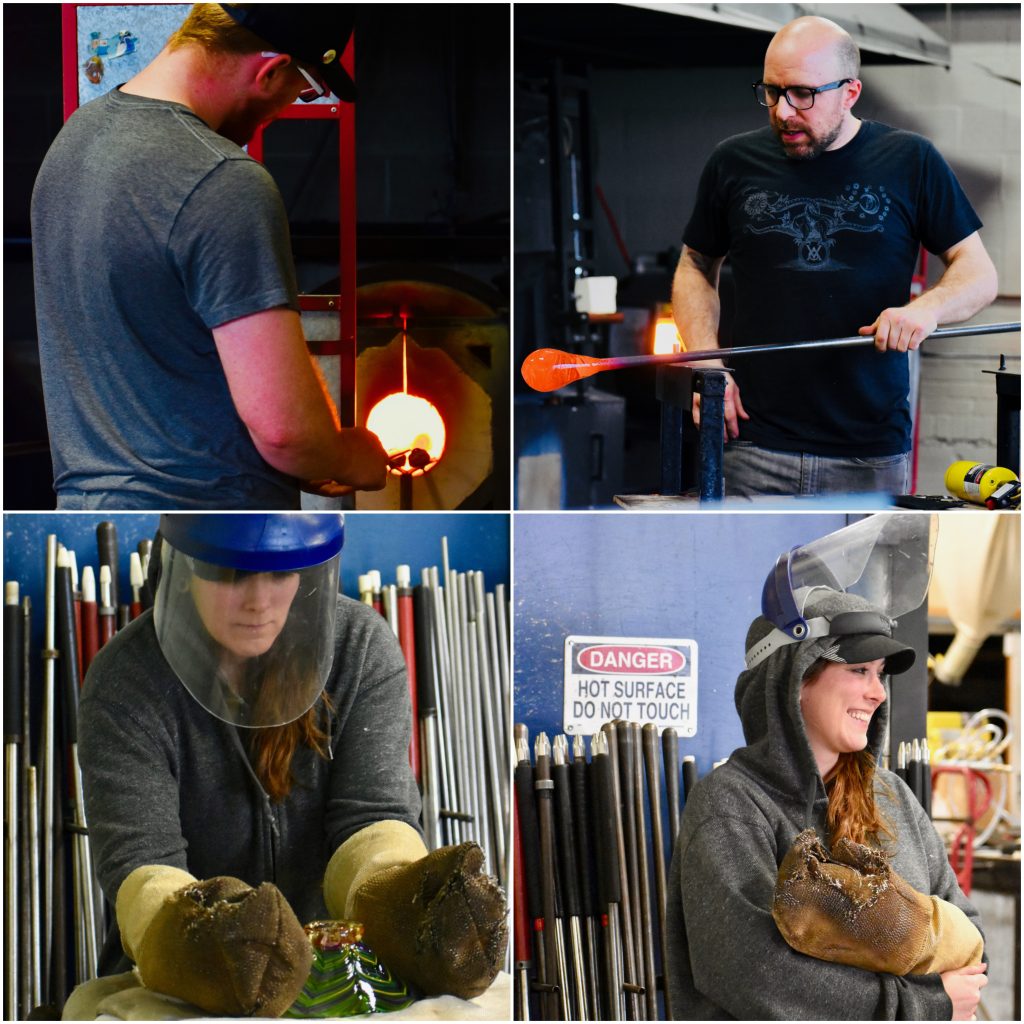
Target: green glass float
(346,978)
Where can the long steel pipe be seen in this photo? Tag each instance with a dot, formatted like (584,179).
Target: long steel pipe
(548,369)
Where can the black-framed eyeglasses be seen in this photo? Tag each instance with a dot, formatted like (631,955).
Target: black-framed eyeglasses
(314,90)
(799,97)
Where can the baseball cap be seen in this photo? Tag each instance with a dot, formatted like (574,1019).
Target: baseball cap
(858,637)
(315,34)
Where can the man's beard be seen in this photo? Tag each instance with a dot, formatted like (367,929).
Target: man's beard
(815,144)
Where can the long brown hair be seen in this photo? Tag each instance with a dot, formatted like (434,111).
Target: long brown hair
(852,811)
(274,748)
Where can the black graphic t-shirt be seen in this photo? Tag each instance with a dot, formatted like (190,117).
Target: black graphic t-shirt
(818,248)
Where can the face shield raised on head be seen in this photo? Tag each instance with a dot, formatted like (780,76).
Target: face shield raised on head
(245,611)
(885,559)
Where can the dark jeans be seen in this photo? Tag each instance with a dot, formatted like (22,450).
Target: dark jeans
(750,471)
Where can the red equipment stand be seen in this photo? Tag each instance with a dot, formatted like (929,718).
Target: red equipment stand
(344,304)
(979,797)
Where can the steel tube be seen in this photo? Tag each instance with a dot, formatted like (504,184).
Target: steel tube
(609,875)
(526,805)
(35,888)
(544,788)
(643,876)
(580,777)
(703,355)
(629,972)
(570,869)
(650,745)
(670,756)
(13,809)
(48,763)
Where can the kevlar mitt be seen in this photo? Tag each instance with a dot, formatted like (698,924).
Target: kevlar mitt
(219,944)
(850,907)
(435,919)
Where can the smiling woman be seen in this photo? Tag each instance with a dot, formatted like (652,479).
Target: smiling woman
(808,794)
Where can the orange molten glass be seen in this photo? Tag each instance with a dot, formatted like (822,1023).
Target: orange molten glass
(407,423)
(548,369)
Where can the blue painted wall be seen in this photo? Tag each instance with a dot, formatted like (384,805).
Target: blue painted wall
(696,576)
(373,540)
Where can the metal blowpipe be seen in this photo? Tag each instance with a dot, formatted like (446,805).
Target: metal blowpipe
(548,369)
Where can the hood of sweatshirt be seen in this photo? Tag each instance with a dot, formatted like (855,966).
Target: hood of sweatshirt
(768,702)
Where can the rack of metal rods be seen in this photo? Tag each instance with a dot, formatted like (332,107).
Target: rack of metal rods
(54,911)
(455,637)
(913,766)
(594,842)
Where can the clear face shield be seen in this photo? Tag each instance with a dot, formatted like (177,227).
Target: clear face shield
(254,648)
(885,559)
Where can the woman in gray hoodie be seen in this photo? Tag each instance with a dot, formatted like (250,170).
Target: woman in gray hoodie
(244,750)
(814,716)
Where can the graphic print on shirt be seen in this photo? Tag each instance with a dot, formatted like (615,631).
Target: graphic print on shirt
(816,224)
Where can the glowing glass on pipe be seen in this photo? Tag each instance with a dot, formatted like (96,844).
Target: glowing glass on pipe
(410,428)
(548,369)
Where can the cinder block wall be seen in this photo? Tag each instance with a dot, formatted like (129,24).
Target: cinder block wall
(972,113)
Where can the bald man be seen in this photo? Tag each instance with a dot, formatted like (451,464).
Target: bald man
(821,215)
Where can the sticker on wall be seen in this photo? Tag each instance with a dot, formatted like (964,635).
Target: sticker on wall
(116,41)
(638,679)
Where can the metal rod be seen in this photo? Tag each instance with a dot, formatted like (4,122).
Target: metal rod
(48,763)
(453,827)
(430,780)
(30,834)
(643,876)
(628,967)
(35,887)
(106,546)
(14,740)
(407,640)
(609,875)
(670,756)
(492,762)
(926,776)
(549,369)
(84,904)
(689,774)
(580,777)
(627,798)
(570,869)
(702,355)
(544,788)
(521,938)
(526,805)
(650,745)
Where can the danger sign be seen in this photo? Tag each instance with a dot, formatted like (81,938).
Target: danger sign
(638,679)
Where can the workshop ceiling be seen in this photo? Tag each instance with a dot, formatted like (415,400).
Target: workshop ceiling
(703,35)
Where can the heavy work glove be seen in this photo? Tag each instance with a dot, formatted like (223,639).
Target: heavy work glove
(850,907)
(219,944)
(434,919)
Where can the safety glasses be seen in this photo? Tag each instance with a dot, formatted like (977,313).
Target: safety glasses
(315,89)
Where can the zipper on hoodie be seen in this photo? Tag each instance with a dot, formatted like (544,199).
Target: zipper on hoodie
(268,808)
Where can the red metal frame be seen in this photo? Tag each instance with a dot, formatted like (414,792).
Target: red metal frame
(345,115)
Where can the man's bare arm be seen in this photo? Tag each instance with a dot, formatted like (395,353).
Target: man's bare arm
(695,303)
(967,285)
(283,403)
(696,308)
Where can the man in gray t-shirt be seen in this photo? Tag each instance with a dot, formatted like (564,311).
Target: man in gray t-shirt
(175,371)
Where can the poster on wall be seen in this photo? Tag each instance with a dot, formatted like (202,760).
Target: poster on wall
(638,679)
(116,41)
